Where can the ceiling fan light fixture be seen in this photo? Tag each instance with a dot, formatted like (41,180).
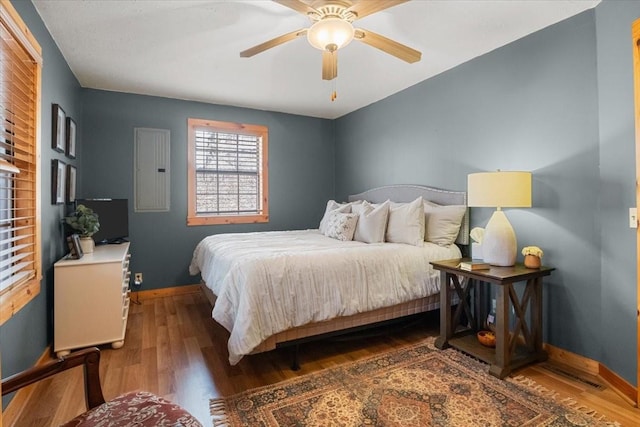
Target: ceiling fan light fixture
(330,31)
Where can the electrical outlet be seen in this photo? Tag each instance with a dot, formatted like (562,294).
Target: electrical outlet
(138,277)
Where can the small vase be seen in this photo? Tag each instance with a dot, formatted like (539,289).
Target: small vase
(87,244)
(531,261)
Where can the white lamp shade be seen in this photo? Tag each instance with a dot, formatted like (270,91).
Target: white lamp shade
(501,189)
(330,31)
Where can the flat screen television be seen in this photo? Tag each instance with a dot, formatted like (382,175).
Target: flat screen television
(113,215)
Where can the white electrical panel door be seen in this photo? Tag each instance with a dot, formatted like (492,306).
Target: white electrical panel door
(152,172)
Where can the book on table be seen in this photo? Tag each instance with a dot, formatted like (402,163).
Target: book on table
(474,265)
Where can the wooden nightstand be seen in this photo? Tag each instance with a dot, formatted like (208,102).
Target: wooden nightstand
(514,348)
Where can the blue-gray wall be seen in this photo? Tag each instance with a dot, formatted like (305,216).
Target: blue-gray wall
(301,174)
(24,337)
(532,105)
(617,185)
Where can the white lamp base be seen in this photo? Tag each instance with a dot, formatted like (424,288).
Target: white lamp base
(499,246)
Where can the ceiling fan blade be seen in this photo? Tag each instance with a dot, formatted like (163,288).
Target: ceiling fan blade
(388,46)
(329,65)
(298,6)
(363,8)
(272,43)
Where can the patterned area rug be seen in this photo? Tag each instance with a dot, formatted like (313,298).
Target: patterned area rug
(415,386)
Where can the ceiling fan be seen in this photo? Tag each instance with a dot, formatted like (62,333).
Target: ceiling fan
(332,28)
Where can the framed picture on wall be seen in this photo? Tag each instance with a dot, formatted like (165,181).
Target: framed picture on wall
(59,130)
(71,138)
(58,182)
(71,184)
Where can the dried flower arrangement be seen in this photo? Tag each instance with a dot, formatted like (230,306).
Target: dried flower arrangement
(532,250)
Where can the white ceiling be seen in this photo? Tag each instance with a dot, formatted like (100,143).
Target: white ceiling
(189,49)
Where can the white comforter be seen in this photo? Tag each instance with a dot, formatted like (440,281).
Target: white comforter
(268,282)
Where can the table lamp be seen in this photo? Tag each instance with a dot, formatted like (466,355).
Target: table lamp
(499,189)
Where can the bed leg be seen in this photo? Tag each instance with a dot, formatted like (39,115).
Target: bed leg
(295,364)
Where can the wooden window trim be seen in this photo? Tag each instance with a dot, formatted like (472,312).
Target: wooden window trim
(194,219)
(635,36)
(12,300)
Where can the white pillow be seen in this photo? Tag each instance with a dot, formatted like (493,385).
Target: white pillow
(332,205)
(341,226)
(372,222)
(406,223)
(443,223)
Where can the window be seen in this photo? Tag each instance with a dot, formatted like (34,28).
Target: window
(227,173)
(20,67)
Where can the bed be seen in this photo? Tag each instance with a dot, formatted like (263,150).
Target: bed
(270,289)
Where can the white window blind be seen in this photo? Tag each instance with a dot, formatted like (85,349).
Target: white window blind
(227,173)
(19,85)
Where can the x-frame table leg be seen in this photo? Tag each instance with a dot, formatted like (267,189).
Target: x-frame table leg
(448,324)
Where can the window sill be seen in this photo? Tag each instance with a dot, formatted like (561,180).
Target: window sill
(216,220)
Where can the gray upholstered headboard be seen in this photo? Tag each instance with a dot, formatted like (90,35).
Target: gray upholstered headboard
(408,193)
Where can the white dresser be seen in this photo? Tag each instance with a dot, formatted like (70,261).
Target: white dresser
(91,299)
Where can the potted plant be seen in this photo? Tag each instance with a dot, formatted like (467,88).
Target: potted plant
(85,222)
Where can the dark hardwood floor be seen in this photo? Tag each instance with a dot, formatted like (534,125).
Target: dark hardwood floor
(173,348)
